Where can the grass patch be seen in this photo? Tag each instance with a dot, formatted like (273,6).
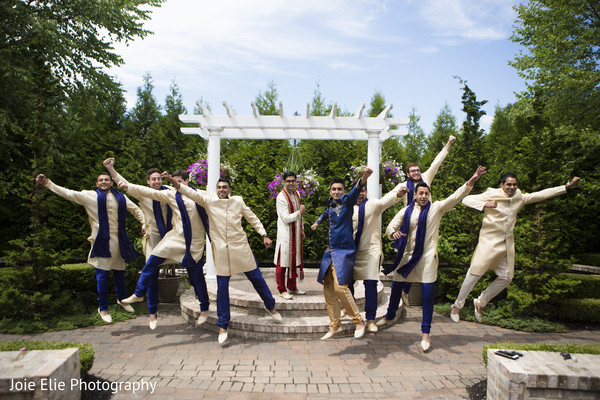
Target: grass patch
(491,316)
(86,351)
(554,348)
(76,320)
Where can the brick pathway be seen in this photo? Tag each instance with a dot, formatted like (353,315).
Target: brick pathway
(186,363)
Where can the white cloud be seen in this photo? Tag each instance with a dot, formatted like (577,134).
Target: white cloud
(469,19)
(486,122)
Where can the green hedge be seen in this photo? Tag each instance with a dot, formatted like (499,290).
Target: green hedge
(49,292)
(555,348)
(579,310)
(86,351)
(588,288)
(589,259)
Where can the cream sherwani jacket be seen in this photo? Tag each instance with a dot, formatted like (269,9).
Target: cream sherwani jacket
(496,237)
(231,250)
(285,219)
(426,269)
(152,236)
(89,200)
(172,246)
(369,252)
(428,175)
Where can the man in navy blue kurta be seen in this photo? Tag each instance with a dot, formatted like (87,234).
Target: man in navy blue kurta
(338,261)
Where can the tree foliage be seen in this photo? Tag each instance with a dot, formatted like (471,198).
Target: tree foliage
(561,63)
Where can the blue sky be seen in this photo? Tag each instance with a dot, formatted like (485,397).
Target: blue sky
(409,50)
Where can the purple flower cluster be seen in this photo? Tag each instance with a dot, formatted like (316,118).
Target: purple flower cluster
(199,171)
(275,186)
(392,171)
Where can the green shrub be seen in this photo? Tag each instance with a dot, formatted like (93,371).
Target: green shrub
(86,351)
(579,310)
(555,348)
(588,287)
(26,294)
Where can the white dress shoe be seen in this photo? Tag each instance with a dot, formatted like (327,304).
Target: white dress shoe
(477,313)
(454,317)
(425,345)
(153,324)
(127,307)
(132,299)
(372,327)
(222,337)
(297,291)
(286,296)
(106,317)
(359,332)
(202,319)
(276,316)
(383,321)
(330,334)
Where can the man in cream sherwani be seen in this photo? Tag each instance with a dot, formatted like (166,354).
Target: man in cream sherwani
(231,251)
(173,246)
(290,235)
(416,230)
(414,176)
(110,247)
(367,237)
(496,248)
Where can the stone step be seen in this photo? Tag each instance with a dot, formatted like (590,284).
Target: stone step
(304,317)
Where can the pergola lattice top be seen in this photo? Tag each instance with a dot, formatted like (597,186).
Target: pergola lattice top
(332,127)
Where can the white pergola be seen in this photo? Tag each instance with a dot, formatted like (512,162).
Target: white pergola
(213,128)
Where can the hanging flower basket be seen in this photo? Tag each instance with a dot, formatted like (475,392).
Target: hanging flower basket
(308,184)
(199,171)
(390,174)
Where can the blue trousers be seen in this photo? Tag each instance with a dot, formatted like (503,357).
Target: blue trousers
(370,297)
(149,277)
(396,295)
(102,278)
(260,285)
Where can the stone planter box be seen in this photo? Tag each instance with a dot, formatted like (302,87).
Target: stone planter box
(40,374)
(543,375)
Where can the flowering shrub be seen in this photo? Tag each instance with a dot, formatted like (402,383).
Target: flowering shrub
(199,171)
(307,184)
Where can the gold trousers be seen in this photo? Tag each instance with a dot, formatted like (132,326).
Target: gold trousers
(334,294)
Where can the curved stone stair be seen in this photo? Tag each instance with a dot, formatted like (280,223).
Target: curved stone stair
(304,317)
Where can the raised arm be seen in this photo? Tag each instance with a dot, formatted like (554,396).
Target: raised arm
(71,195)
(452,200)
(392,197)
(429,175)
(536,197)
(199,196)
(353,195)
